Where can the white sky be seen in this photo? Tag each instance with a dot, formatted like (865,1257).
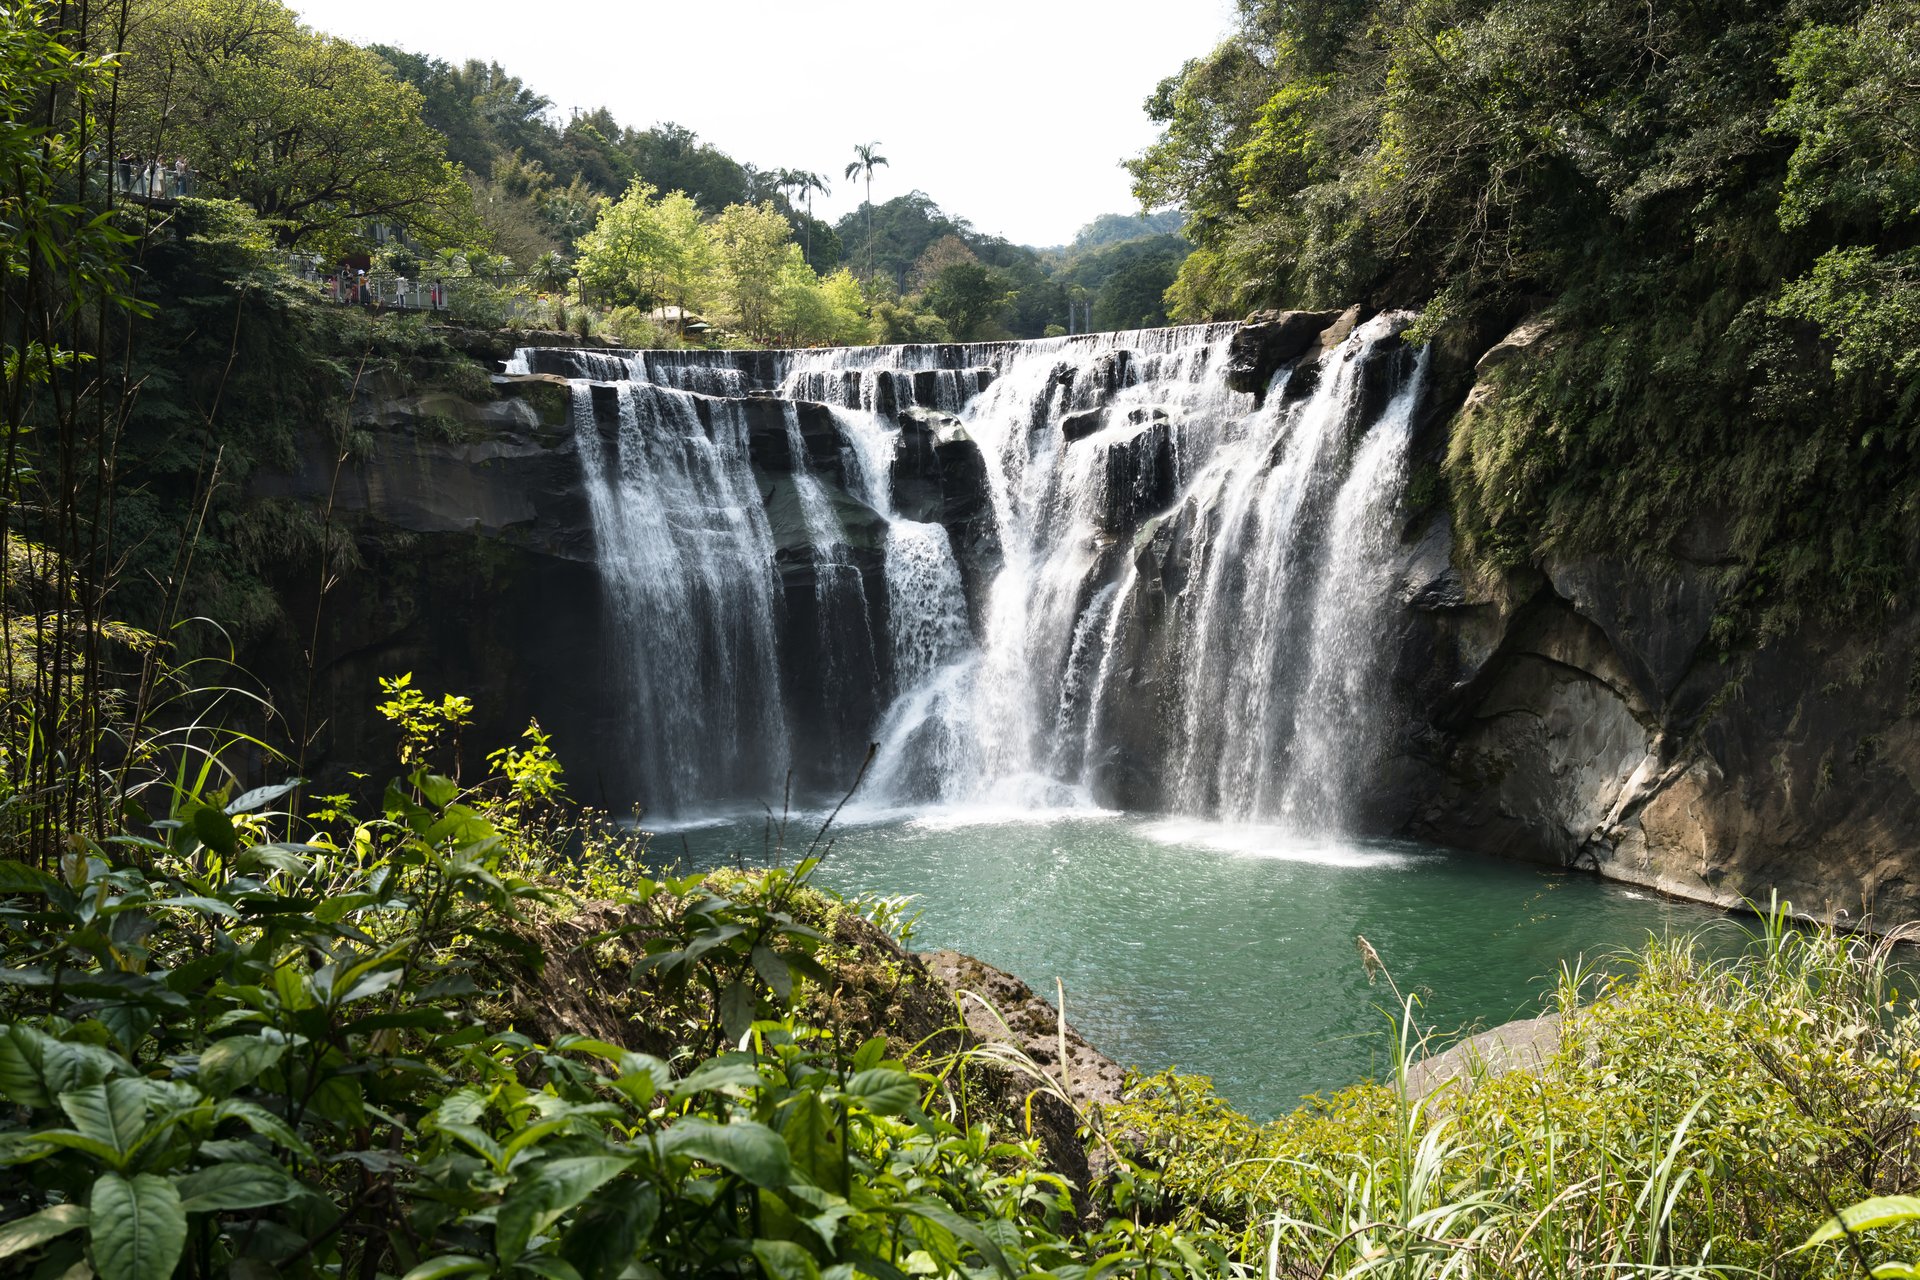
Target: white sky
(1014,114)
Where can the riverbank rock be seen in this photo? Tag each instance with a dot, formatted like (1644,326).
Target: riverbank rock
(1524,1044)
(926,1005)
(1582,712)
(1002,1010)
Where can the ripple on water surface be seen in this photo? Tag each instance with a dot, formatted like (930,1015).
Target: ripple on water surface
(1226,950)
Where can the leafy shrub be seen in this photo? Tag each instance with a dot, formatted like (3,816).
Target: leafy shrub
(231,1050)
(1700,1117)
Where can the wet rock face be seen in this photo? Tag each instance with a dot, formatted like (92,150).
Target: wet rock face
(940,477)
(1269,340)
(769,444)
(474,561)
(1583,713)
(1141,473)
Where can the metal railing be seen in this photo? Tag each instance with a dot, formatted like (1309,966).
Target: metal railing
(363,290)
(151,179)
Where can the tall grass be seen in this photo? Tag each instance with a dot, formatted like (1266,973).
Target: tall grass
(1702,1116)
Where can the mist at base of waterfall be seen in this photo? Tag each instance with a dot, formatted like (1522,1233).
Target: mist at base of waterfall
(1225,949)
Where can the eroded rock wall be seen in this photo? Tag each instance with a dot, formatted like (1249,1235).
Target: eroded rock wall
(1584,713)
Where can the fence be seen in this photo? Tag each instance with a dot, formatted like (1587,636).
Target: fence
(386,291)
(152,179)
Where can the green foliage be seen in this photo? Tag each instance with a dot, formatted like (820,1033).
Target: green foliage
(970,297)
(310,130)
(251,1042)
(1714,205)
(1118,228)
(1872,1215)
(752,248)
(648,249)
(1699,1118)
(899,320)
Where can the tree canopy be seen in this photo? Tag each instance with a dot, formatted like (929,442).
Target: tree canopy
(309,130)
(1715,204)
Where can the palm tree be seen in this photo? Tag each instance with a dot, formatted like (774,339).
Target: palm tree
(869,159)
(806,183)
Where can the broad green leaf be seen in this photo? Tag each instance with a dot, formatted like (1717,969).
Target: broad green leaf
(784,1260)
(728,1073)
(438,791)
(206,906)
(113,1113)
(462,1106)
(279,857)
(226,1065)
(1868,1215)
(22,1148)
(643,1077)
(234,1186)
(531,1135)
(870,1054)
(939,1215)
(479,1140)
(586,1044)
(35,1068)
(264,1123)
(20,1078)
(883,1091)
(372,985)
(546,1264)
(215,830)
(138,1227)
(260,797)
(453,1264)
(809,1131)
(18,877)
(608,1227)
(35,1230)
(744,1147)
(773,971)
(539,1198)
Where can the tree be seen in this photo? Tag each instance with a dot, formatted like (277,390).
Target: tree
(817,312)
(311,131)
(1133,297)
(484,113)
(945,252)
(866,160)
(647,249)
(673,158)
(752,246)
(970,298)
(805,183)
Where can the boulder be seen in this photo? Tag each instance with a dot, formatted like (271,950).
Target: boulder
(1308,370)
(1078,426)
(1524,1044)
(1525,336)
(1268,340)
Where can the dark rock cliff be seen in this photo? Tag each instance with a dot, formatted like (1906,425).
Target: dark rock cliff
(1582,712)
(467,558)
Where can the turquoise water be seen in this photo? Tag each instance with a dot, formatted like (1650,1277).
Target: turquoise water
(1228,951)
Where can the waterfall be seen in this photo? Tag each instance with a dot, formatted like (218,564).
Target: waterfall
(685,555)
(1076,571)
(843,622)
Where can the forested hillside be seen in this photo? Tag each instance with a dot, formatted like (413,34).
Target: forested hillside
(1710,209)
(431,170)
